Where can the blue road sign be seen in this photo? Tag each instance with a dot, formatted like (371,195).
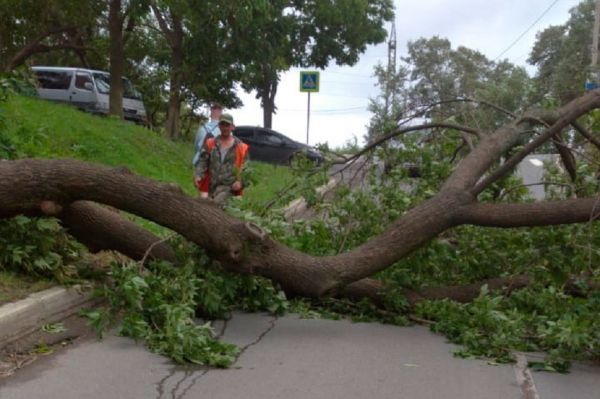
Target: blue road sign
(309,81)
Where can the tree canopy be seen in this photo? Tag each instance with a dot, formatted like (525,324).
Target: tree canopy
(207,48)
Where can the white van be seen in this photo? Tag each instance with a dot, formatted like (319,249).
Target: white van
(88,90)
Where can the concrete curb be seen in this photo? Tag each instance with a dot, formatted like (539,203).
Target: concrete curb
(18,319)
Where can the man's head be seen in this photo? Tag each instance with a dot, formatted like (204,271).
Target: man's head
(215,111)
(226,125)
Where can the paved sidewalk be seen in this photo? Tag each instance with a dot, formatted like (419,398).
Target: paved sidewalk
(23,317)
(293,358)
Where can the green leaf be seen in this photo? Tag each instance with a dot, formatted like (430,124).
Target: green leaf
(54,328)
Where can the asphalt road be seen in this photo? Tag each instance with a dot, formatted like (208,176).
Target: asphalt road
(293,358)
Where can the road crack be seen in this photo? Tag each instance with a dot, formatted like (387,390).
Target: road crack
(194,371)
(257,340)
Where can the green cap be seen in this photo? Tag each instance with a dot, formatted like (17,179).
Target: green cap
(226,118)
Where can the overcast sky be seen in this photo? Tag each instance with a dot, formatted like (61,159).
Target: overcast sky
(339,111)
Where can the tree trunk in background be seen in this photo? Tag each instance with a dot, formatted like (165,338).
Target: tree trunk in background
(117,59)
(268,115)
(174,37)
(267,96)
(176,78)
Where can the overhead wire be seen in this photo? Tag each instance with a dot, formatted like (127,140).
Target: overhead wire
(527,30)
(329,111)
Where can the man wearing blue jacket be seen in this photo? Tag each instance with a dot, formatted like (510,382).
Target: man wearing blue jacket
(209,130)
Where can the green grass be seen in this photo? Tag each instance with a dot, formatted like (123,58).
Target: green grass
(43,129)
(270,180)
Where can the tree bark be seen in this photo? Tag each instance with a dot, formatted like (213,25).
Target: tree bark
(566,157)
(174,37)
(176,79)
(117,59)
(267,95)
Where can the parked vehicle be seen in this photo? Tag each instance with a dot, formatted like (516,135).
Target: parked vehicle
(88,90)
(267,145)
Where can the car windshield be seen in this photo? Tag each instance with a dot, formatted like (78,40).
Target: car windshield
(103,86)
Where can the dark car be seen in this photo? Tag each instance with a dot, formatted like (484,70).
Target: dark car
(267,145)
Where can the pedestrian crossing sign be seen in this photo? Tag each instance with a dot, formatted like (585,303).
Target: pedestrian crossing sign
(309,81)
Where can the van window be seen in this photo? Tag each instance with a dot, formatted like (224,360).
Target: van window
(103,86)
(102,83)
(81,79)
(57,80)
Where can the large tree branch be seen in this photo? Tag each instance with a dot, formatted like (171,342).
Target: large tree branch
(34,46)
(376,290)
(566,115)
(583,131)
(399,132)
(26,183)
(168,32)
(245,248)
(100,228)
(531,214)
(242,247)
(566,156)
(427,107)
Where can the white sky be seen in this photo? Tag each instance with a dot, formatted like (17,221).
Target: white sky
(339,111)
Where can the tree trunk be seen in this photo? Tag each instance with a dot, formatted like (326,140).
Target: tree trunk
(117,59)
(245,248)
(174,108)
(174,35)
(268,115)
(267,96)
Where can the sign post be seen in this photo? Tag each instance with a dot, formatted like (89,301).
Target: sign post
(309,82)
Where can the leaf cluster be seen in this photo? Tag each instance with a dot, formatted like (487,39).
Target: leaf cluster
(39,247)
(533,319)
(162,305)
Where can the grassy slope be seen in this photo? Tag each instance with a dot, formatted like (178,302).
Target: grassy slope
(46,130)
(42,129)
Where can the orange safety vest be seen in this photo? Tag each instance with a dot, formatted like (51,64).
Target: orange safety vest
(240,156)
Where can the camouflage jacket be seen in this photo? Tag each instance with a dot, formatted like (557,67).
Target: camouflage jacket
(222,172)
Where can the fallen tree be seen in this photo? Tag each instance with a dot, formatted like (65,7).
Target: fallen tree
(68,189)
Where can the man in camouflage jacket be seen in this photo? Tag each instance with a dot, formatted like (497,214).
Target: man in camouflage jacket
(224,159)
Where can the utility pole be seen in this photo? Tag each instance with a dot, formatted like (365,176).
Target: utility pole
(595,36)
(593,81)
(391,67)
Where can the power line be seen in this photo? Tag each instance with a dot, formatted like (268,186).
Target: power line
(342,95)
(527,30)
(354,75)
(330,111)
